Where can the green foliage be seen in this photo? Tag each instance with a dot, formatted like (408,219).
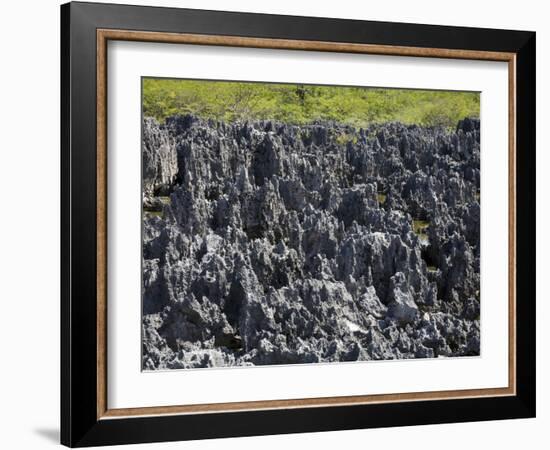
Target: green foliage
(420,226)
(296,103)
(344,138)
(152,213)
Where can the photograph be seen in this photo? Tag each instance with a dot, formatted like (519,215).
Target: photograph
(297,223)
(284,222)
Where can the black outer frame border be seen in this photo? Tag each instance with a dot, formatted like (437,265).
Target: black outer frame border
(79,425)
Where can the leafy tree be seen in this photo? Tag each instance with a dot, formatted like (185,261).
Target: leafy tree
(299,103)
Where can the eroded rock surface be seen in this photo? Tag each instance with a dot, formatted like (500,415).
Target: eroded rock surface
(265,243)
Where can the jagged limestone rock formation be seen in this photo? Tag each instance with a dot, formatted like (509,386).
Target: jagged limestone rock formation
(160,163)
(266,243)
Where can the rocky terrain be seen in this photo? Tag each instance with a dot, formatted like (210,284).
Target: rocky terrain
(265,243)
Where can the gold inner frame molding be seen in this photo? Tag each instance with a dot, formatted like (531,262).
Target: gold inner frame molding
(103,36)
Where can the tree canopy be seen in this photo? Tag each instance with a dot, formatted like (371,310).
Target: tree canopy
(300,103)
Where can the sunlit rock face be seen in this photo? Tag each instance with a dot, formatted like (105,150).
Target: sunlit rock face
(266,243)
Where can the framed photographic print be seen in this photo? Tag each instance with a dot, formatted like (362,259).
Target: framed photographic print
(276,224)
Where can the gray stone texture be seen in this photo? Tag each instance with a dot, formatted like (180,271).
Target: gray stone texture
(266,243)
